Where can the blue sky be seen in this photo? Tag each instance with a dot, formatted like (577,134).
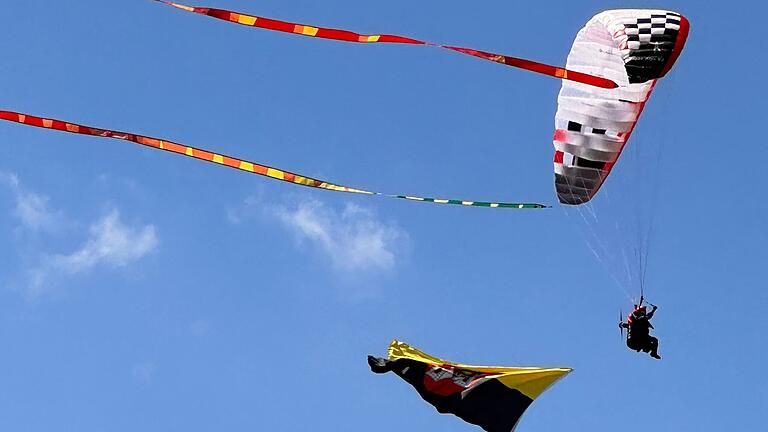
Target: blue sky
(144,291)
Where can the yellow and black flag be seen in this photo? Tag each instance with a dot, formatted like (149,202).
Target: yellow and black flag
(493,398)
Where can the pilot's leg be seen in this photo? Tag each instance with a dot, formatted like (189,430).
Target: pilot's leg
(653,343)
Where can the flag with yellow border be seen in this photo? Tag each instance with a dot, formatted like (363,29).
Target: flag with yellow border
(492,397)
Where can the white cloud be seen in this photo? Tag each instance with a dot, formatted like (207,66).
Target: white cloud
(354,239)
(31,208)
(111,242)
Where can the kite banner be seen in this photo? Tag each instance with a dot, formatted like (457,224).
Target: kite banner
(493,398)
(348,36)
(240,164)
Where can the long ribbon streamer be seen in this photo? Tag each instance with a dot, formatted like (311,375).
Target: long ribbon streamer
(348,36)
(240,164)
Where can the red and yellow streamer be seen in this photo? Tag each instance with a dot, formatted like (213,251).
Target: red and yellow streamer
(348,36)
(232,162)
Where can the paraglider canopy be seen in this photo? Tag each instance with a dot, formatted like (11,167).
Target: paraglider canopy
(634,48)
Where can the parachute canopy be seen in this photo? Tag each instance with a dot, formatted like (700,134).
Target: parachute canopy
(634,48)
(493,398)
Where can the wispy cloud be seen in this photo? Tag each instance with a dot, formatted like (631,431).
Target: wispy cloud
(353,238)
(111,242)
(31,209)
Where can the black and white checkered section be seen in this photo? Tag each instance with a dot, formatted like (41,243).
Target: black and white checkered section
(657,28)
(650,43)
(578,127)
